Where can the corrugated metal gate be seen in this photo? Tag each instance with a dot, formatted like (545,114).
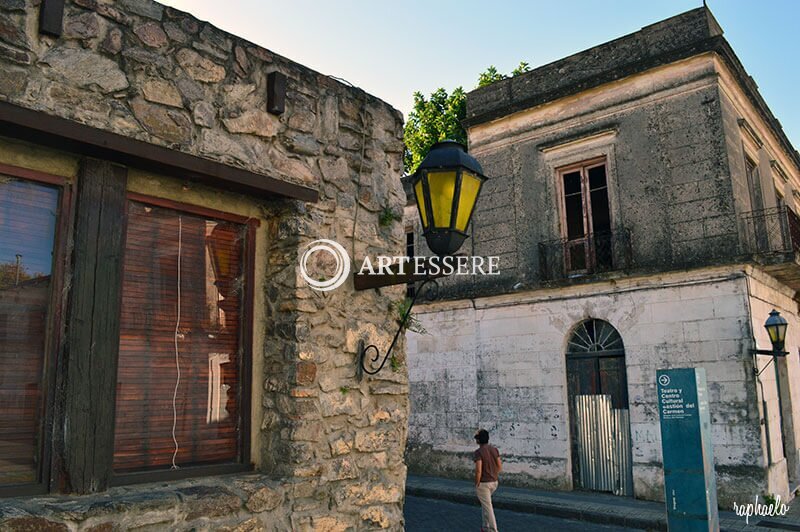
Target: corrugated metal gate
(603,438)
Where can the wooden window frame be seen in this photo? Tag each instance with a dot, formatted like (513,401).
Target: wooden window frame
(54,327)
(246,364)
(582,166)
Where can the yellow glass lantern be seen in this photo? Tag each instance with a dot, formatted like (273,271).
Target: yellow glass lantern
(776,328)
(446,186)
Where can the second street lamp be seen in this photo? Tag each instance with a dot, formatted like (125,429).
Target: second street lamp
(776,328)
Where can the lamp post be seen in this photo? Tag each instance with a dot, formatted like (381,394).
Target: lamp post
(776,326)
(446,188)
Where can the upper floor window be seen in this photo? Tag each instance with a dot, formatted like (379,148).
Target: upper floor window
(586,216)
(754,184)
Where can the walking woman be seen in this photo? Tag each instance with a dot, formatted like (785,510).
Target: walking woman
(487,469)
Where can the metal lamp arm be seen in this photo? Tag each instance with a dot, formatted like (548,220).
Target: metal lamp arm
(362,355)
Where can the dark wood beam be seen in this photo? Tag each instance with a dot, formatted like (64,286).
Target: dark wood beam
(92,340)
(366,281)
(67,135)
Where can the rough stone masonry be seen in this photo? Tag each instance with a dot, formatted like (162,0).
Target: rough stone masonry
(328,448)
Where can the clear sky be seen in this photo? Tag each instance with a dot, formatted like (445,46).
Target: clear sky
(392,49)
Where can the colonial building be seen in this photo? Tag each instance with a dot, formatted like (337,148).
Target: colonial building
(163,363)
(642,200)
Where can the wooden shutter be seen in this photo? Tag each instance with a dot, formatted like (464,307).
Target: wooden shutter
(28,213)
(208,334)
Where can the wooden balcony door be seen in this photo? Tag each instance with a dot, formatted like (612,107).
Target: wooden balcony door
(586,217)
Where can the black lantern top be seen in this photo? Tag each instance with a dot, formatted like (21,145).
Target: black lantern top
(776,328)
(446,186)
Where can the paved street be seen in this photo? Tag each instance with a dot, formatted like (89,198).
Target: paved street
(435,514)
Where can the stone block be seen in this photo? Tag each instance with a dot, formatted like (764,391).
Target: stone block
(340,469)
(172,126)
(85,69)
(248,525)
(144,8)
(372,440)
(305,373)
(198,67)
(202,501)
(83,26)
(376,516)
(265,499)
(12,5)
(163,92)
(203,114)
(151,34)
(32,524)
(113,41)
(253,122)
(14,55)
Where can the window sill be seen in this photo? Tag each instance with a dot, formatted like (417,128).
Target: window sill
(179,474)
(222,498)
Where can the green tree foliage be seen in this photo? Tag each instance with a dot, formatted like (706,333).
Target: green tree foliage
(490,75)
(439,117)
(9,275)
(521,69)
(433,119)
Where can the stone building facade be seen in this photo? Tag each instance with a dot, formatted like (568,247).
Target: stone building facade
(125,110)
(642,201)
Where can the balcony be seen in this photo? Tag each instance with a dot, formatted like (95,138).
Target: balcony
(772,238)
(592,254)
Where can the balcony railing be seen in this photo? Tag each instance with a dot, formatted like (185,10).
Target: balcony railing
(773,230)
(594,253)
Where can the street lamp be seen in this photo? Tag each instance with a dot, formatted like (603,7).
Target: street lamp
(776,328)
(446,187)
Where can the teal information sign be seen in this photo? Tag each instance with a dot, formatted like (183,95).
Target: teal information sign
(689,484)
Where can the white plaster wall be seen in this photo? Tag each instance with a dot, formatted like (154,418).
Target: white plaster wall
(499,363)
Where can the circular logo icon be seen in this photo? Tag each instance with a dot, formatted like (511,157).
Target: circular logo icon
(342,264)
(663,380)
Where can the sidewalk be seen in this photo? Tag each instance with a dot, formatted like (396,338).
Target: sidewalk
(586,506)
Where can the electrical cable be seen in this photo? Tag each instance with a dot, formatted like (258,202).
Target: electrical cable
(177,358)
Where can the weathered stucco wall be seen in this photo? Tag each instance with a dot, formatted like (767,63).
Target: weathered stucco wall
(662,136)
(328,448)
(500,364)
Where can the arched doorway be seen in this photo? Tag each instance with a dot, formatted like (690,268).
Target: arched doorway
(597,389)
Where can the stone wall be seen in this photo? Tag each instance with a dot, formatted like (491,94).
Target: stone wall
(500,364)
(328,448)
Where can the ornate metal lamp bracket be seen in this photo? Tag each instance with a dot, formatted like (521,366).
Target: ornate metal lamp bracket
(430,295)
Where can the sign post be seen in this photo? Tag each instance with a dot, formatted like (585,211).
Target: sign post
(689,484)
